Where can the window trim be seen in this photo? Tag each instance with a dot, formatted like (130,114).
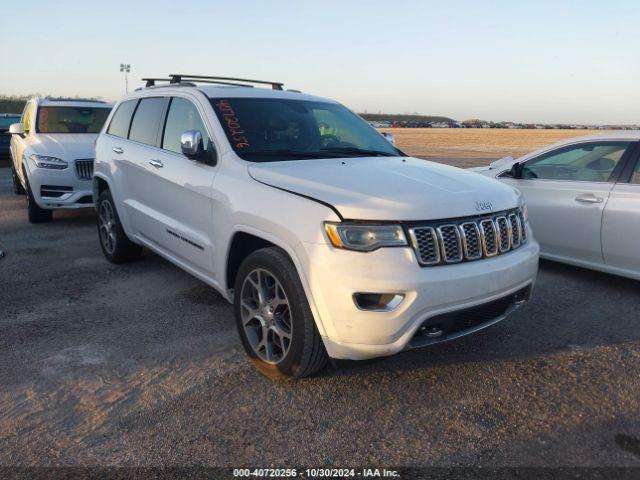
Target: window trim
(115,111)
(212,145)
(633,164)
(615,175)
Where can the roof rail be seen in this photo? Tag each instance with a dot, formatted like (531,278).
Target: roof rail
(70,99)
(178,78)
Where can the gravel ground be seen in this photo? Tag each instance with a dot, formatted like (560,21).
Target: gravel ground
(141,365)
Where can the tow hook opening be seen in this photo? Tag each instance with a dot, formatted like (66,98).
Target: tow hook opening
(378,302)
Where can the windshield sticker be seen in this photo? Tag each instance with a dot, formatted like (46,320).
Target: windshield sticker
(236,132)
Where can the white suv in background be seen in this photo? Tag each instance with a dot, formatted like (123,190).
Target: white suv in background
(329,241)
(52,153)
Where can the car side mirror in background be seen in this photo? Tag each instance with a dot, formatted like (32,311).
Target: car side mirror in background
(516,170)
(16,129)
(390,138)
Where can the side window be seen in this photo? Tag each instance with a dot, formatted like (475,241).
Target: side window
(144,128)
(183,115)
(585,162)
(121,120)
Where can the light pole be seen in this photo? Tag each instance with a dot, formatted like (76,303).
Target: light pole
(125,68)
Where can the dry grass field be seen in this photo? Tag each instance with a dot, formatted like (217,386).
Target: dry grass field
(466,147)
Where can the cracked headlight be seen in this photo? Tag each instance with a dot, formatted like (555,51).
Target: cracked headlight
(363,237)
(44,161)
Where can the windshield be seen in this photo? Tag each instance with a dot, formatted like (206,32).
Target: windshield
(267,130)
(71,119)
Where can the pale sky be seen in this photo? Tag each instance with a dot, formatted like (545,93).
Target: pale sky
(529,61)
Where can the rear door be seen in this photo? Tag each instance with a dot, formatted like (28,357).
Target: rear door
(621,222)
(142,200)
(566,191)
(182,189)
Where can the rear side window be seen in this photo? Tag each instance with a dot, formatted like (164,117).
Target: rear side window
(121,120)
(144,128)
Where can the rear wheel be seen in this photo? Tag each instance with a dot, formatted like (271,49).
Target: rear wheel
(274,320)
(36,214)
(18,189)
(115,244)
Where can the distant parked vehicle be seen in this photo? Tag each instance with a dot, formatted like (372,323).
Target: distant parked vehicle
(52,153)
(6,119)
(583,196)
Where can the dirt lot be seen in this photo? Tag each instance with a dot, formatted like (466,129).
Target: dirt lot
(472,146)
(141,365)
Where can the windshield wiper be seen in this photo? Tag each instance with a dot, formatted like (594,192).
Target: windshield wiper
(359,151)
(290,153)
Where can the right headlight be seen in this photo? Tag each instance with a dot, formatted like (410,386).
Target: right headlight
(44,161)
(365,237)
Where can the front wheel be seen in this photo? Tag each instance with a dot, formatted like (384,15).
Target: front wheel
(18,189)
(115,244)
(273,317)
(36,214)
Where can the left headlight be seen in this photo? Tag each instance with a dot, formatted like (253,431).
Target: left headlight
(44,161)
(363,237)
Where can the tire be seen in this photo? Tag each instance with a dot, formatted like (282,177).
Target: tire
(36,214)
(18,189)
(115,245)
(304,353)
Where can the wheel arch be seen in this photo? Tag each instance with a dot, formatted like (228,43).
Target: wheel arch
(246,240)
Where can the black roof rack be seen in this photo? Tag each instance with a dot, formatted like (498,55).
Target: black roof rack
(181,78)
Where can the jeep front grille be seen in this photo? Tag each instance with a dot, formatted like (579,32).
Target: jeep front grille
(84,169)
(468,239)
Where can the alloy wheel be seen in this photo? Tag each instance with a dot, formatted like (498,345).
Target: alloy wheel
(266,315)
(107,226)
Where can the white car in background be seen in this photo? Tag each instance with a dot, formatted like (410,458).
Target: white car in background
(52,153)
(329,240)
(583,197)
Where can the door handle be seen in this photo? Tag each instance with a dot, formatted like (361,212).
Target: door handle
(156,163)
(589,199)
(118,150)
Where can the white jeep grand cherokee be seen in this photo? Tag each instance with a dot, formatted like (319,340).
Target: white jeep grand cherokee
(329,241)
(52,153)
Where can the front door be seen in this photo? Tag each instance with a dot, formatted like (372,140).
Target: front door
(19,142)
(566,191)
(178,190)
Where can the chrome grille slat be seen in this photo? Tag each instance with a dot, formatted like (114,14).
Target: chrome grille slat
(450,243)
(425,241)
(84,169)
(455,241)
(504,234)
(489,234)
(471,242)
(514,223)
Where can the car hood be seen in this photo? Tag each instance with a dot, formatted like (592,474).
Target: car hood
(389,188)
(67,146)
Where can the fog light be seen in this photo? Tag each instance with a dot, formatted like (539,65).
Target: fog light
(380,302)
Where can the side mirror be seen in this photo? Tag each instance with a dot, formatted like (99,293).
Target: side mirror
(16,129)
(516,170)
(192,144)
(390,138)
